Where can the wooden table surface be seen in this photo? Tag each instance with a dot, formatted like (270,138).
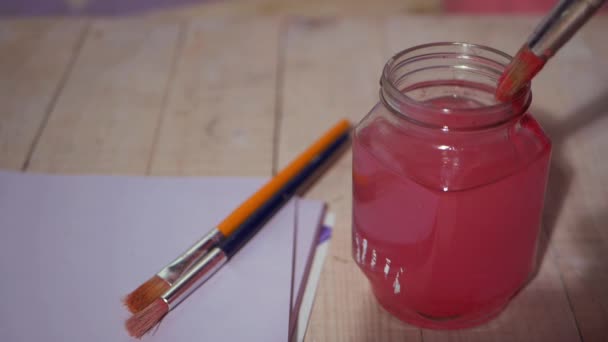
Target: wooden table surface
(241,96)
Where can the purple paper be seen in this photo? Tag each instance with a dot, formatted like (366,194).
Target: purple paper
(325,234)
(73,246)
(88,7)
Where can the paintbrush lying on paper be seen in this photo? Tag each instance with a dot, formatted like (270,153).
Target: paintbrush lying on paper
(162,281)
(554,31)
(205,267)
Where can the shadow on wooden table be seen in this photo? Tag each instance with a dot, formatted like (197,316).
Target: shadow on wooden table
(561,172)
(583,263)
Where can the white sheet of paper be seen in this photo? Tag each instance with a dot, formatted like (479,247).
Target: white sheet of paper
(312,282)
(307,233)
(73,246)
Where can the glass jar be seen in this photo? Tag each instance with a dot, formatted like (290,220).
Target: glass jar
(448,187)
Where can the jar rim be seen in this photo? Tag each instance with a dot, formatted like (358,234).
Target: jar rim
(520,101)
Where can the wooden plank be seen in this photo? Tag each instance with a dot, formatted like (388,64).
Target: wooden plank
(332,68)
(468,29)
(594,35)
(106,116)
(36,55)
(215,9)
(221,107)
(581,236)
(590,120)
(583,264)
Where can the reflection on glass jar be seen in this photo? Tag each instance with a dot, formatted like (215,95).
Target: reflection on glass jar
(448,187)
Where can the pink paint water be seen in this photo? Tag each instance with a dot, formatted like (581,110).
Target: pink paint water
(445,224)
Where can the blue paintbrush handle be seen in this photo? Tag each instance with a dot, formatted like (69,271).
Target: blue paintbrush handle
(255,222)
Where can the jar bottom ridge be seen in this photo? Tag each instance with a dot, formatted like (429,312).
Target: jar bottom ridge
(419,319)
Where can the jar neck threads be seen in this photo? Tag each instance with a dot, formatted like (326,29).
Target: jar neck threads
(449,86)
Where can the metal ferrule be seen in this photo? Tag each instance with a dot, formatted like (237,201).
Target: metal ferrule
(194,277)
(176,268)
(560,25)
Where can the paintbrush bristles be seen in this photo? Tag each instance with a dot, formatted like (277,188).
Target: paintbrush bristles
(518,73)
(146,293)
(144,320)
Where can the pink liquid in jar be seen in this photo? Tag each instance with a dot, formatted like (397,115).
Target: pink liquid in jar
(445,224)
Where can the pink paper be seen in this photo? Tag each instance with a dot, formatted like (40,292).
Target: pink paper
(73,246)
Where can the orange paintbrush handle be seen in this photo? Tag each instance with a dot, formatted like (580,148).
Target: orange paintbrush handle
(247,208)
(282,185)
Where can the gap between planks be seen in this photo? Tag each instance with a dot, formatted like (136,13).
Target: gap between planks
(51,106)
(179,44)
(279,84)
